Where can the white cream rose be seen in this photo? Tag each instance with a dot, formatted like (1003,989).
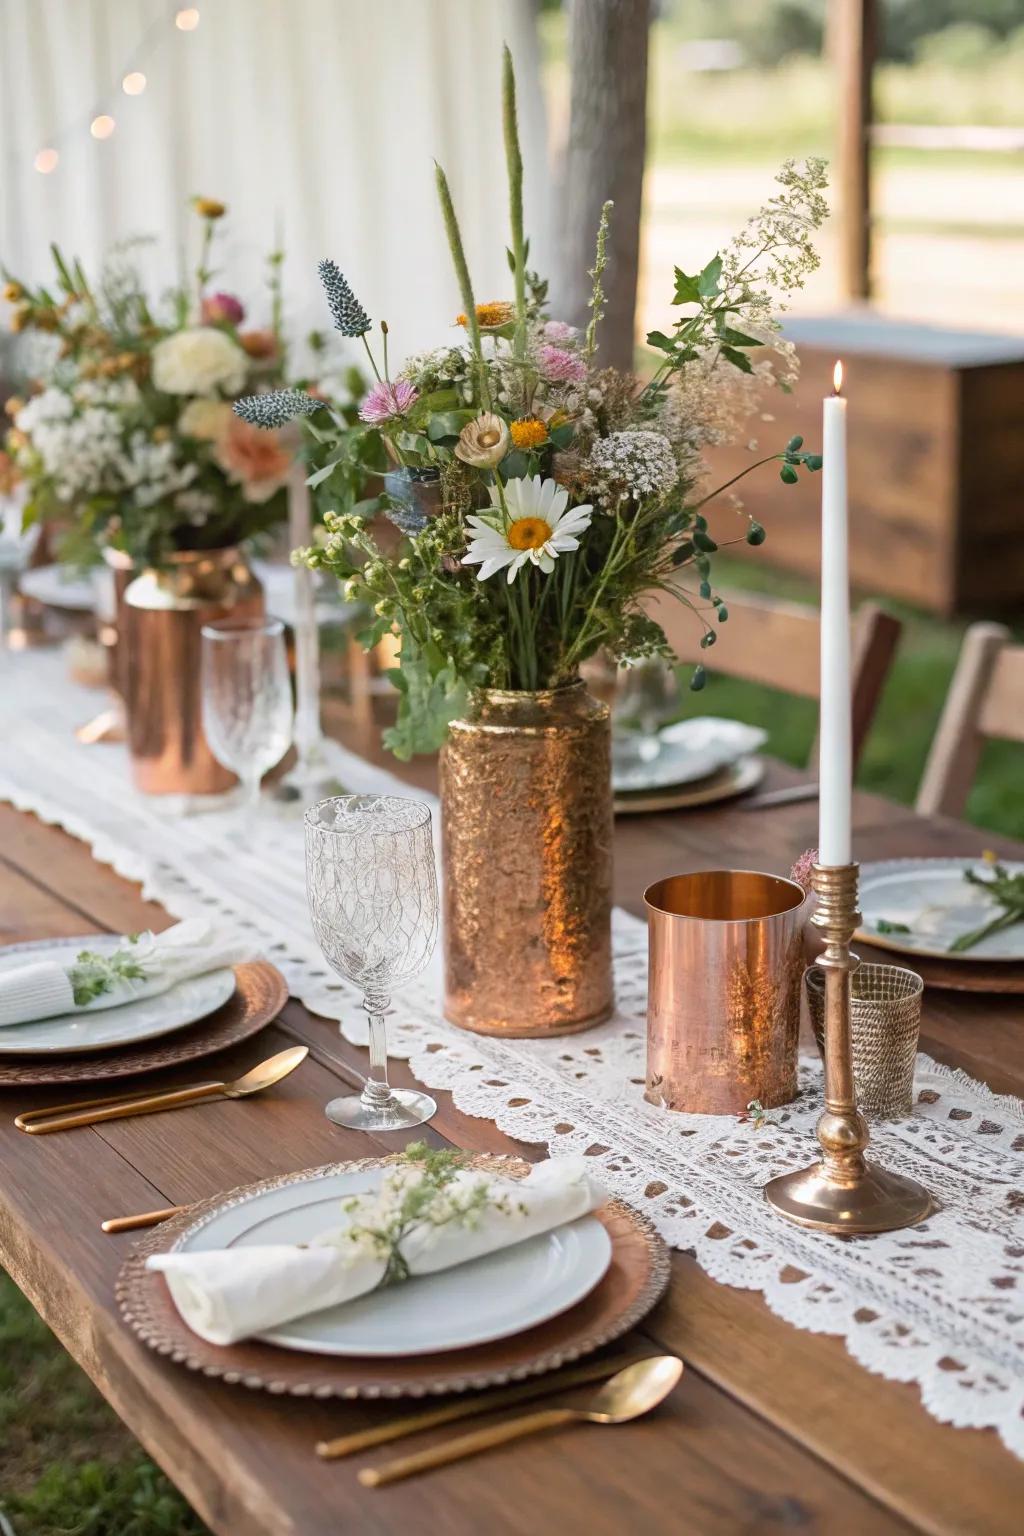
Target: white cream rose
(198,362)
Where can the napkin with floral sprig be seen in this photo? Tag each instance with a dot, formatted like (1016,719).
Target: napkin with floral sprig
(431,1212)
(142,965)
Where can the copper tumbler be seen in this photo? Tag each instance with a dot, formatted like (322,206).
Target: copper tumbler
(723,1002)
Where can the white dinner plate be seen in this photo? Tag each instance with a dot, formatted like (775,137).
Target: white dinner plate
(105,1028)
(683,753)
(488,1298)
(737,779)
(60,586)
(932,898)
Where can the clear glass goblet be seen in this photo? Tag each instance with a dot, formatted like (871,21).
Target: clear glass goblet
(247,698)
(372,889)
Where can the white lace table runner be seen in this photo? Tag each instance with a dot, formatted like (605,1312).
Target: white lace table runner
(941,1305)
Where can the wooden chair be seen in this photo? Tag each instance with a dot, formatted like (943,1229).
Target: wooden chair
(985,699)
(776,644)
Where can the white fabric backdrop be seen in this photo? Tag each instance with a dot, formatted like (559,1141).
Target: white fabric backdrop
(318,117)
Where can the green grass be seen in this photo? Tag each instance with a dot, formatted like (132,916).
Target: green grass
(68,1466)
(907,716)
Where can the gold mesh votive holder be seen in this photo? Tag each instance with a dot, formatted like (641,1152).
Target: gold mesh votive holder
(885,1022)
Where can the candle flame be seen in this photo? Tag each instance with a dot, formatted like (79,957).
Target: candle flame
(837,379)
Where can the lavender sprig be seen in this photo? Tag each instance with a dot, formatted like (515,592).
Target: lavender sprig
(275,406)
(350,318)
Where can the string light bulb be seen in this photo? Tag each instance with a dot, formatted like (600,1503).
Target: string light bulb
(102,127)
(187,20)
(134,83)
(46,161)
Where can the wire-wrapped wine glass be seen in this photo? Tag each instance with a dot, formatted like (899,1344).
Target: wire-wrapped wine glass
(372,890)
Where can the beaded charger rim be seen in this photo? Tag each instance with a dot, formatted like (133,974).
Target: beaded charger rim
(635,1280)
(260,993)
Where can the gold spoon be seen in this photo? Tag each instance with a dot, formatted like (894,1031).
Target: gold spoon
(627,1395)
(39,1122)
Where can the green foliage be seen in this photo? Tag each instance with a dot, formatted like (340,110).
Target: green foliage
(92,974)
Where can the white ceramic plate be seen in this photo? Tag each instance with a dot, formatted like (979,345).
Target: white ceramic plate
(738,779)
(934,900)
(683,753)
(105,1028)
(490,1298)
(60,586)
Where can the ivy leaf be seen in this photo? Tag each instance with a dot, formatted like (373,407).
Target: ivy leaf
(688,289)
(429,697)
(707,283)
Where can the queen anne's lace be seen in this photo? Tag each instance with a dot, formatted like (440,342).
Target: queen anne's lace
(939,1305)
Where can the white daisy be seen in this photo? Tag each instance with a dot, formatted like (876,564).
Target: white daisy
(540,527)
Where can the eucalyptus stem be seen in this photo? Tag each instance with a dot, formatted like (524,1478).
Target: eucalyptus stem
(451,226)
(514,161)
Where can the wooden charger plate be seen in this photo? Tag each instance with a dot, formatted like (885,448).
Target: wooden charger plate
(635,1279)
(260,994)
(1003,976)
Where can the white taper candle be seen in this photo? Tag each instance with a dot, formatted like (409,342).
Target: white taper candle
(836,725)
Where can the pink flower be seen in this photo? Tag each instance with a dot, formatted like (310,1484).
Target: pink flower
(387,400)
(804,868)
(558,332)
(561,367)
(223,308)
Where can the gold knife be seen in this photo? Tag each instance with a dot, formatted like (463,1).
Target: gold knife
(468,1407)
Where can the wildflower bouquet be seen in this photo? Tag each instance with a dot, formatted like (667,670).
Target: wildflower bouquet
(542,496)
(129,433)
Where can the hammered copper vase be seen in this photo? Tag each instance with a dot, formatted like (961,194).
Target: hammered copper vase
(723,993)
(164,611)
(526,815)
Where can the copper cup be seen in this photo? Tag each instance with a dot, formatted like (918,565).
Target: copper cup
(723,1004)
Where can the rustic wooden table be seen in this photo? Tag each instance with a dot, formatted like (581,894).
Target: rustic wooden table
(771,1429)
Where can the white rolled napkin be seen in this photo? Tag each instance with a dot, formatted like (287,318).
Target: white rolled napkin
(227,1294)
(40,989)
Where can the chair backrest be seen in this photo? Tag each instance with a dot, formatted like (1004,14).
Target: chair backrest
(985,699)
(776,644)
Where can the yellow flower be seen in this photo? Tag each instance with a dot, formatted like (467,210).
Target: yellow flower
(483,442)
(209,207)
(528,432)
(491,317)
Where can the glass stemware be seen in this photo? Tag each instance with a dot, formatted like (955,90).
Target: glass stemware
(372,889)
(247,698)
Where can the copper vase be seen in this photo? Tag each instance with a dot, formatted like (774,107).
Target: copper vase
(164,611)
(526,815)
(723,1000)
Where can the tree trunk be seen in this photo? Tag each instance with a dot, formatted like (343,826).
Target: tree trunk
(605,159)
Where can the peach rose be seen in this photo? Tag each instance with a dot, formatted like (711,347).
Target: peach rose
(252,458)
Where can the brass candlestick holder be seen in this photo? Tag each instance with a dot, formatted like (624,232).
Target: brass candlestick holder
(844,1192)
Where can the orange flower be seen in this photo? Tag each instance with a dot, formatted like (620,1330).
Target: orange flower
(258,344)
(492,316)
(209,207)
(252,458)
(9,476)
(528,432)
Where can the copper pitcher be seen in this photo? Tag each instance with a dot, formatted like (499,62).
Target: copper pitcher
(526,815)
(723,1001)
(164,611)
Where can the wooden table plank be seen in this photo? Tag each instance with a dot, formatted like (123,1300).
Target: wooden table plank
(941,1480)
